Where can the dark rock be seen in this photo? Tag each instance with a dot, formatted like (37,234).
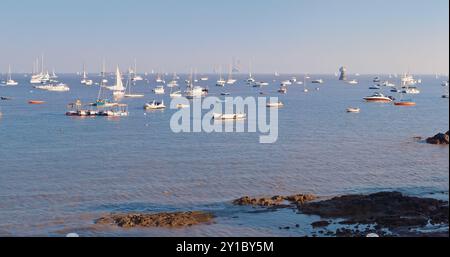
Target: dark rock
(439,139)
(167,220)
(387,209)
(320,224)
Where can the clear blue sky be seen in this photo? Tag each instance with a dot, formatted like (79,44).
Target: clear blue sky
(315,36)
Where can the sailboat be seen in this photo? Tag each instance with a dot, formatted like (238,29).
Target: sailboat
(230,80)
(136,77)
(10,81)
(84,78)
(250,79)
(118,89)
(129,86)
(221,82)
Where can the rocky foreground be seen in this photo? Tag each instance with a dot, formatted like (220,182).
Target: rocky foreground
(439,139)
(374,213)
(164,220)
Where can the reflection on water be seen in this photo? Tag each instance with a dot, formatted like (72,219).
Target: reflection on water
(59,173)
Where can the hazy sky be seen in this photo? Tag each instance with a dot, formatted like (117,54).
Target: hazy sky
(315,36)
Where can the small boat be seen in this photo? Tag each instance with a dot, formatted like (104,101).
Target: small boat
(176,94)
(204,79)
(405,103)
(10,81)
(159,90)
(411,90)
(375,87)
(353,110)
(378,97)
(376,80)
(387,84)
(445,83)
(317,81)
(299,82)
(155,105)
(395,90)
(282,90)
(445,96)
(275,105)
(36,102)
(353,82)
(235,116)
(260,84)
(224,93)
(4,98)
(182,106)
(286,83)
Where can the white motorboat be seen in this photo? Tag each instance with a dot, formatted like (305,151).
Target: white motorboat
(54,88)
(378,97)
(353,82)
(155,105)
(411,90)
(275,105)
(176,94)
(234,116)
(286,83)
(353,110)
(159,90)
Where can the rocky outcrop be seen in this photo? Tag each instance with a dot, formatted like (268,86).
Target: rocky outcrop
(165,220)
(390,210)
(439,139)
(275,200)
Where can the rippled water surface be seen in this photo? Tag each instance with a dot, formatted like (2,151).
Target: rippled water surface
(58,174)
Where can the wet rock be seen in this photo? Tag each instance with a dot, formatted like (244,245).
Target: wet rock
(301,198)
(386,209)
(266,202)
(165,220)
(275,201)
(439,139)
(320,224)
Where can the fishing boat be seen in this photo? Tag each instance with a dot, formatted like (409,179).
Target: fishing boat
(378,97)
(353,110)
(234,116)
(275,105)
(10,81)
(159,90)
(36,102)
(155,105)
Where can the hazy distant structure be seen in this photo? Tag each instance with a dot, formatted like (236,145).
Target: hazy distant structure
(343,72)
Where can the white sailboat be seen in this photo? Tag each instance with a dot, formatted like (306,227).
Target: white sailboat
(230,80)
(10,81)
(118,89)
(136,77)
(221,82)
(129,94)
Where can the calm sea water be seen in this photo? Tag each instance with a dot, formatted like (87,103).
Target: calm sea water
(58,174)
